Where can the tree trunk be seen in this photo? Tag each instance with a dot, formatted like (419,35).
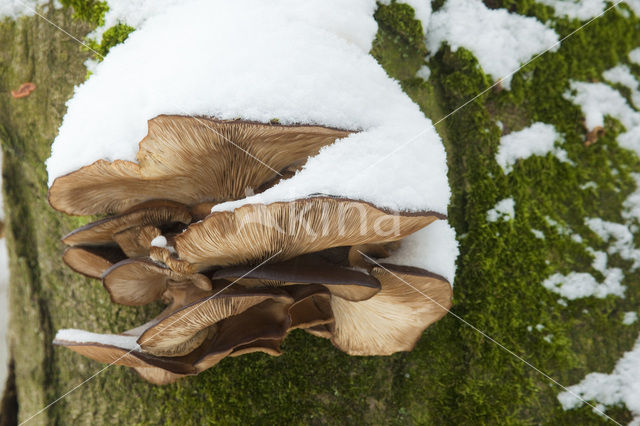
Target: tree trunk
(454,375)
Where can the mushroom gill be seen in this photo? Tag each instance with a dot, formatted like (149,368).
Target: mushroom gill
(393,320)
(237,282)
(191,160)
(289,229)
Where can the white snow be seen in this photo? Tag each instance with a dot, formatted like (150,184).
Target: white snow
(620,238)
(81,336)
(537,139)
(631,206)
(300,62)
(4,299)
(586,9)
(622,386)
(634,56)
(630,318)
(159,241)
(538,234)
(501,41)
(576,285)
(13,9)
(424,72)
(621,74)
(503,210)
(433,248)
(597,100)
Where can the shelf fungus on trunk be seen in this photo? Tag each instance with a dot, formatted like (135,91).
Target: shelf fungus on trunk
(237,282)
(191,160)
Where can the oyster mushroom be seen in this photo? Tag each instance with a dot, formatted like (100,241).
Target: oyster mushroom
(393,320)
(291,229)
(342,282)
(92,261)
(242,321)
(133,228)
(136,282)
(203,160)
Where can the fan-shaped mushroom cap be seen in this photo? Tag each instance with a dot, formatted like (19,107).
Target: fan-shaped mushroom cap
(157,376)
(185,323)
(155,213)
(268,320)
(135,282)
(190,160)
(118,350)
(311,306)
(291,229)
(267,346)
(92,261)
(393,320)
(136,241)
(342,282)
(322,330)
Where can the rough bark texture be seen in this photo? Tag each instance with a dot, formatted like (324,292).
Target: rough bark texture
(454,376)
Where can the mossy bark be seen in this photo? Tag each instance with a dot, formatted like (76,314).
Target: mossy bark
(455,375)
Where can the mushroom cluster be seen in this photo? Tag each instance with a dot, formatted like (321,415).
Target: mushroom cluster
(239,281)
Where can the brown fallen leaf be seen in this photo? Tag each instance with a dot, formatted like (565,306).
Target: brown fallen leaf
(23,91)
(593,135)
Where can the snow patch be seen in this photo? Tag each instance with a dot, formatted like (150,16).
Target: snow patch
(622,386)
(503,210)
(621,74)
(424,72)
(538,234)
(501,41)
(597,100)
(433,248)
(620,238)
(537,139)
(300,62)
(631,206)
(13,9)
(634,56)
(630,318)
(159,241)
(578,9)
(576,285)
(81,336)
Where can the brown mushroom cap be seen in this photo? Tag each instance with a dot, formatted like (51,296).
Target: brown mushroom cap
(267,346)
(290,229)
(311,306)
(183,324)
(190,160)
(92,261)
(110,354)
(322,330)
(268,320)
(135,282)
(393,320)
(154,213)
(136,241)
(342,282)
(157,376)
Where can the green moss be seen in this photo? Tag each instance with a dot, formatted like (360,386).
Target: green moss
(91,11)
(454,375)
(111,37)
(398,19)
